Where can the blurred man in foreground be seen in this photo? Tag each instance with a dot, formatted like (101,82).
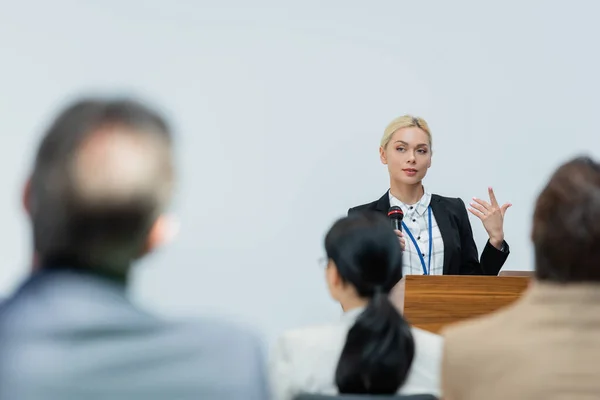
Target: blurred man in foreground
(101,181)
(547,344)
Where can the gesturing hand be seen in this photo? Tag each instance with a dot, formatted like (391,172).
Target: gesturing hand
(492,217)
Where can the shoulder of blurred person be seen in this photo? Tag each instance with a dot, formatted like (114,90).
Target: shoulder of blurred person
(230,357)
(525,348)
(102,179)
(467,344)
(305,360)
(81,335)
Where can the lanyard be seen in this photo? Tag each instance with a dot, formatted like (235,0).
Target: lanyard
(426,269)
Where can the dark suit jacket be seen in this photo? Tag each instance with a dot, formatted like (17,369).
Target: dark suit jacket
(460,251)
(68,334)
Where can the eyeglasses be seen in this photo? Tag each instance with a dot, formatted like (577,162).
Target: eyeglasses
(323,262)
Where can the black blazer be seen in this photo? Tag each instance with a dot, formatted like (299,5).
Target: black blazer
(460,251)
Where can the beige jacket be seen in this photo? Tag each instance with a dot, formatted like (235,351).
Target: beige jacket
(544,346)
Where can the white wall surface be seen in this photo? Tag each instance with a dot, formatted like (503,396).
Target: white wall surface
(279,107)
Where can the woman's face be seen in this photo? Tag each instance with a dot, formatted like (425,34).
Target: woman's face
(407,155)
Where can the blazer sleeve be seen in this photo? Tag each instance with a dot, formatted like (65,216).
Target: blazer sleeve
(259,379)
(492,259)
(281,372)
(469,254)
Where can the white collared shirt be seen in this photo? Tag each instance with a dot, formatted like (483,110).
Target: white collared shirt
(416,220)
(304,360)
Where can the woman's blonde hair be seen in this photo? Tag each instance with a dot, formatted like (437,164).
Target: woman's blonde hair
(405,121)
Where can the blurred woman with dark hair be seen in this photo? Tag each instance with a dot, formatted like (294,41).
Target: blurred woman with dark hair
(372,349)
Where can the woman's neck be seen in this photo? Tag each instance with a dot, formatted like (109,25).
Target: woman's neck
(352,303)
(408,194)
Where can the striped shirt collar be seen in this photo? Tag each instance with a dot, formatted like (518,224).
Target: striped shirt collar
(419,208)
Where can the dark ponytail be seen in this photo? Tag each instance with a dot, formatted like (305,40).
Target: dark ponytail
(379,351)
(379,347)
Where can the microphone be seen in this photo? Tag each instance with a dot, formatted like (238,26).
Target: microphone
(395,215)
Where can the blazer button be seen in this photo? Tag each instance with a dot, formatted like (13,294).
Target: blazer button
(414,220)
(419,238)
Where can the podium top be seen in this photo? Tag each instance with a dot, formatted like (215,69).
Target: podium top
(432,302)
(517,273)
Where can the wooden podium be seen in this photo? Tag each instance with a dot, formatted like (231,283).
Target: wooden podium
(431,302)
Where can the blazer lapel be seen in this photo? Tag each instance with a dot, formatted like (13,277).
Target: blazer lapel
(383,204)
(443,220)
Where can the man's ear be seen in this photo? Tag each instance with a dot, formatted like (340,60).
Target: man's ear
(26,197)
(163,231)
(382,155)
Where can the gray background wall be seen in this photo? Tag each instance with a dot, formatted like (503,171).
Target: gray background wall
(279,107)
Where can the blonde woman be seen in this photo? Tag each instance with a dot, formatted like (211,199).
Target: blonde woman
(436,236)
